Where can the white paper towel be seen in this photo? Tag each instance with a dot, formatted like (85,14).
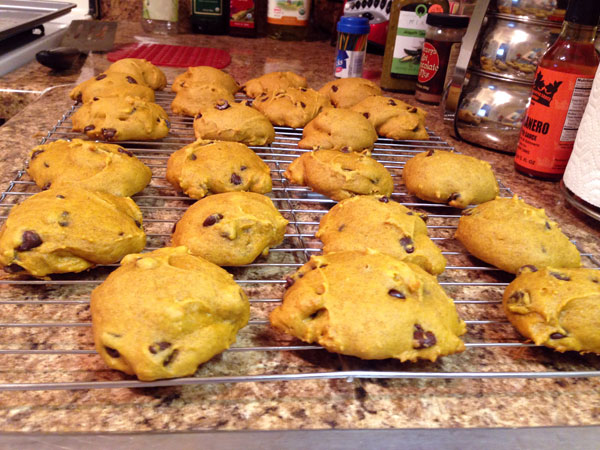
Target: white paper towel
(582,175)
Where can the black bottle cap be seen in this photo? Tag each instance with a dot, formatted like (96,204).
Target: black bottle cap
(583,12)
(447,20)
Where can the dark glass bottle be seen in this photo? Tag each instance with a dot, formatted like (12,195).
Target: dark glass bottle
(210,16)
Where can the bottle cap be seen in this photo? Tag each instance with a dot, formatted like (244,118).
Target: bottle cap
(353,25)
(447,20)
(583,12)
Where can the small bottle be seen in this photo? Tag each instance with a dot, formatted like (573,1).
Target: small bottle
(351,47)
(561,90)
(210,16)
(288,20)
(160,16)
(404,43)
(440,52)
(242,18)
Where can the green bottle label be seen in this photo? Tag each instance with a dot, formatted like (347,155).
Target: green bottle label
(410,36)
(207,7)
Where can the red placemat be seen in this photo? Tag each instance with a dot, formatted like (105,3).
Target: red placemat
(173,55)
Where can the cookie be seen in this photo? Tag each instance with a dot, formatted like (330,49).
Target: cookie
(121,119)
(190,101)
(340,175)
(231,229)
(294,107)
(339,129)
(205,75)
(90,165)
(69,229)
(557,308)
(392,118)
(234,122)
(161,314)
(108,85)
(371,222)
(372,306)
(274,81)
(347,92)
(212,167)
(508,233)
(144,71)
(446,177)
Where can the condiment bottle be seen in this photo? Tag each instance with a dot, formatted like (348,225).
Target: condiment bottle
(561,90)
(243,18)
(406,34)
(210,16)
(351,47)
(288,21)
(160,16)
(440,52)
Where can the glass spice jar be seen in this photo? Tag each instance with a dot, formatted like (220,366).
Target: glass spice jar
(440,51)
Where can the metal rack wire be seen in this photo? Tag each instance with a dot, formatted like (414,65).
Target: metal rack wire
(41,320)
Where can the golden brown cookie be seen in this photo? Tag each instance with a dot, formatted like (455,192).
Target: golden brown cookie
(231,229)
(140,69)
(378,223)
(161,314)
(392,118)
(121,119)
(274,81)
(212,167)
(508,233)
(558,308)
(205,75)
(339,129)
(90,165)
(347,92)
(446,177)
(234,122)
(370,305)
(294,107)
(190,101)
(340,175)
(108,85)
(69,229)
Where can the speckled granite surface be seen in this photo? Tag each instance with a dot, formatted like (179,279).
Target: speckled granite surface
(292,404)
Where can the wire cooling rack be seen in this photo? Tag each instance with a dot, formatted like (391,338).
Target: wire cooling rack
(45,325)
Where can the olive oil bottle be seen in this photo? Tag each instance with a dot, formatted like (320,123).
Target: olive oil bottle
(403,47)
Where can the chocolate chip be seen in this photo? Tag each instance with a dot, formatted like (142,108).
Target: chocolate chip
(47,186)
(158,347)
(169,359)
(392,103)
(121,233)
(316,314)
(410,213)
(64,219)
(126,152)
(384,199)
(174,228)
(102,76)
(134,110)
(595,280)
(222,104)
(112,352)
(36,153)
(236,179)
(395,293)
(334,88)
(367,115)
(79,98)
(341,227)
(46,165)
(131,79)
(13,268)
(158,120)
(407,243)
(303,89)
(193,157)
(557,336)
(412,109)
(430,153)
(560,276)
(453,196)
(424,339)
(60,196)
(138,224)
(198,116)
(264,99)
(289,281)
(345,149)
(531,267)
(108,133)
(243,168)
(248,103)
(29,240)
(303,104)
(95,99)
(547,225)
(88,128)
(211,220)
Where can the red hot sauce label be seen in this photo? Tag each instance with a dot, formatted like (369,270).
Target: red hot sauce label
(434,64)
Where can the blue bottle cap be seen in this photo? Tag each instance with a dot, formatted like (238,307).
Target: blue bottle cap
(353,25)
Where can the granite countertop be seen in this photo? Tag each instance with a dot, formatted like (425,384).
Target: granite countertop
(313,404)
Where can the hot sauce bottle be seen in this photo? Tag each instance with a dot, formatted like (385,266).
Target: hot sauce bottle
(561,90)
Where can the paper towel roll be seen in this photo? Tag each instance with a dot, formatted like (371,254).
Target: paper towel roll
(582,175)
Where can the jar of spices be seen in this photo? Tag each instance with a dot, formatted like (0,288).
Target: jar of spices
(440,51)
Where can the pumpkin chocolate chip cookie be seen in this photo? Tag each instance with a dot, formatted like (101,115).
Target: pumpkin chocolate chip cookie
(191,100)
(294,107)
(140,69)
(112,84)
(205,75)
(273,81)
(347,92)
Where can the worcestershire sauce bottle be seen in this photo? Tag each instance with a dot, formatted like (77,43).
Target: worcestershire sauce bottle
(562,87)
